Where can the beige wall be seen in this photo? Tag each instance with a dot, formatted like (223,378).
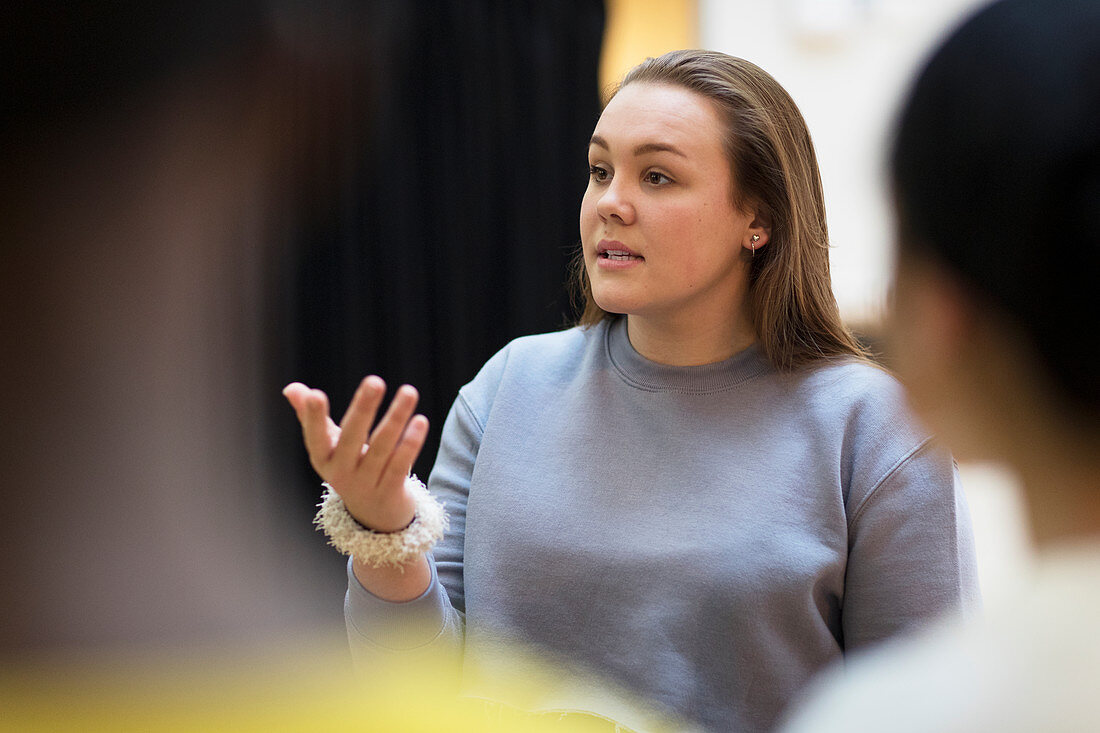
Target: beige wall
(640,28)
(846,63)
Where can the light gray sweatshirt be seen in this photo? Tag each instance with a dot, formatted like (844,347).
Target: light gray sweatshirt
(705,537)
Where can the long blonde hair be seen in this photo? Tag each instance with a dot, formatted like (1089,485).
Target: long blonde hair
(775,174)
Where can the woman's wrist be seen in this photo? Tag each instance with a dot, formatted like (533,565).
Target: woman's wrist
(377,549)
(400,526)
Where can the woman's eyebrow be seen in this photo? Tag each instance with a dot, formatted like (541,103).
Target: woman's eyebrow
(658,148)
(641,149)
(597,140)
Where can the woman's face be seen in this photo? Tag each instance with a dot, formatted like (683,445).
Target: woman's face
(661,236)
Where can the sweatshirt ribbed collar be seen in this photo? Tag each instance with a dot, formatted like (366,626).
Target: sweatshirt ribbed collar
(649,375)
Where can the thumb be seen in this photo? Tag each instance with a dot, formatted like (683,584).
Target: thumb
(296,394)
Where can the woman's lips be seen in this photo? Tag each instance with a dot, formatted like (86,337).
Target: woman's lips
(610,253)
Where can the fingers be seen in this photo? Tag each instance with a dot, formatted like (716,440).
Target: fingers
(401,462)
(337,451)
(295,394)
(311,406)
(388,433)
(356,423)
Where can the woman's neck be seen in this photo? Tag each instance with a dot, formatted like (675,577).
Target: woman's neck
(1004,408)
(1062,488)
(684,343)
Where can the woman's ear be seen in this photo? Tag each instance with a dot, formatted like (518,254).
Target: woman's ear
(758,234)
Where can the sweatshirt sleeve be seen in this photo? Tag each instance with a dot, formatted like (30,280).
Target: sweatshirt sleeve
(910,549)
(432,624)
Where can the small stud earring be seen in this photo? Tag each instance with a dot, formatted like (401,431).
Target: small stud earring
(752,243)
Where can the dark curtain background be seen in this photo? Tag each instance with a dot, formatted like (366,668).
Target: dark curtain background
(457,209)
(201,201)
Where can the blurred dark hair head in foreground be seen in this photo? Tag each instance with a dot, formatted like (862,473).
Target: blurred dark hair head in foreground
(996,170)
(153,156)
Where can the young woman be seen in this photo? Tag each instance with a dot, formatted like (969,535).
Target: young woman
(704,492)
(996,172)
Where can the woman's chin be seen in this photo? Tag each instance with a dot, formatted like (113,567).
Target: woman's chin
(616,306)
(612,300)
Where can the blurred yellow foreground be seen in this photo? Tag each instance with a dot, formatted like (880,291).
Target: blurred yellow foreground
(251,690)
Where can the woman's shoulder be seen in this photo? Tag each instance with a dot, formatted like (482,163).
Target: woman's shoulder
(864,411)
(566,343)
(864,395)
(529,360)
(847,379)
(544,350)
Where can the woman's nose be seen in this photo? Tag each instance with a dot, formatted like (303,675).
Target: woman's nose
(615,203)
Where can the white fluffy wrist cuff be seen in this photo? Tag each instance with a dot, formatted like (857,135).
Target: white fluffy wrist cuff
(376,549)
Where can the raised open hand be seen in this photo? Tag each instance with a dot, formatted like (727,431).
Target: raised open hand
(367,471)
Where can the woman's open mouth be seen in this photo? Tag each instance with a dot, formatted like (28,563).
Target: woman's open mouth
(610,251)
(620,255)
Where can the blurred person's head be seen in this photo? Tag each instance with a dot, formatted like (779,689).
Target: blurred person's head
(775,177)
(150,150)
(996,173)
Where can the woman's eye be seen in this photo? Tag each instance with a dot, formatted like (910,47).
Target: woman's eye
(657,179)
(597,173)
